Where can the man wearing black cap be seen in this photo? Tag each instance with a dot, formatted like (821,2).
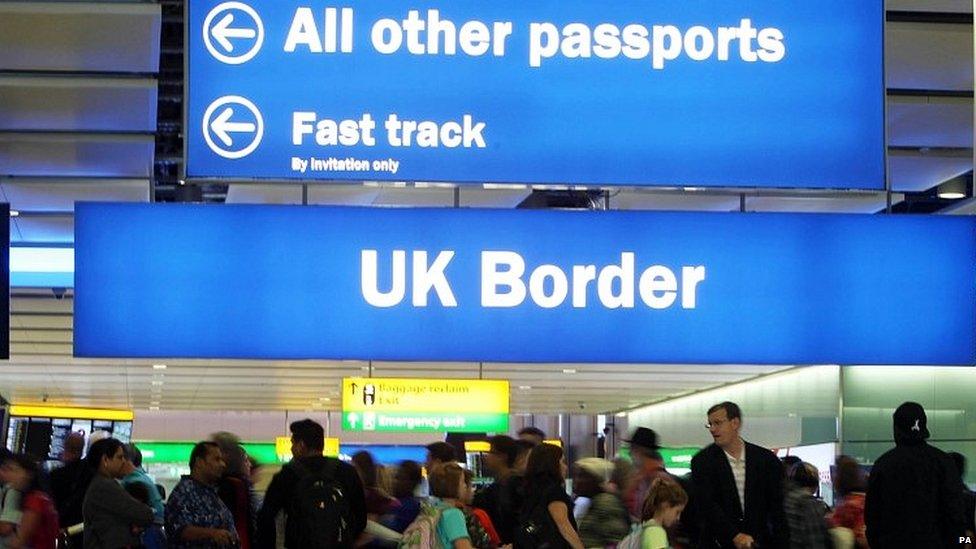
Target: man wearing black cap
(913,499)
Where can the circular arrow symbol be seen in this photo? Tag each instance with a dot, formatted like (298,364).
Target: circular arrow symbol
(229,33)
(223,121)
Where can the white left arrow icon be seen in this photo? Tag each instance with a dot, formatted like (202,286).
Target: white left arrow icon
(223,32)
(223,127)
(247,126)
(237,21)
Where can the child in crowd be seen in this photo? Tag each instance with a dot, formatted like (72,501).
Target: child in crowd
(662,508)
(38,528)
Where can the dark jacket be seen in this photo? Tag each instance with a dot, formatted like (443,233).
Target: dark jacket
(110,512)
(280,495)
(502,500)
(717,499)
(913,499)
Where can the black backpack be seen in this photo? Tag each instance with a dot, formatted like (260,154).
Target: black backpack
(319,510)
(537,530)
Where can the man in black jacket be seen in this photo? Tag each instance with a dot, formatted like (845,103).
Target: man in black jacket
(913,498)
(739,488)
(307,443)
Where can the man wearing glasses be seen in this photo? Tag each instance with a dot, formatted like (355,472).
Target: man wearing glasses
(739,487)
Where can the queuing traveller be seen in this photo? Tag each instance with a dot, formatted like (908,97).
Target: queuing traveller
(805,513)
(235,489)
(532,434)
(406,482)
(195,514)
(378,502)
(446,485)
(501,499)
(139,476)
(850,486)
(69,484)
(546,518)
(9,504)
(111,515)
(321,496)
(645,452)
(38,524)
(662,509)
(480,528)
(605,521)
(738,487)
(913,497)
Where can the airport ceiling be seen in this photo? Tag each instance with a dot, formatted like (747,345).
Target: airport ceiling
(108,129)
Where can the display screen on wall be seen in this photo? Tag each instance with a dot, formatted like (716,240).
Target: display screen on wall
(293,282)
(752,93)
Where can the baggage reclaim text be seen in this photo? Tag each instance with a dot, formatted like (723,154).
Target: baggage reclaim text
(504,283)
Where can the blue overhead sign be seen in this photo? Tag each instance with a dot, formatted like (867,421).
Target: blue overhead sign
(751,93)
(289,282)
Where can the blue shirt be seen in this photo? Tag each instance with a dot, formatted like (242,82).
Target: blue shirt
(193,503)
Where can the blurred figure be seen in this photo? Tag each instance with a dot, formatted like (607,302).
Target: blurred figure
(152,537)
(606,519)
(9,504)
(235,489)
(38,527)
(69,483)
(195,514)
(913,497)
(850,485)
(805,513)
(661,510)
(378,502)
(110,513)
(532,434)
(738,487)
(522,450)
(406,482)
(645,452)
(547,513)
(968,496)
(439,452)
(501,499)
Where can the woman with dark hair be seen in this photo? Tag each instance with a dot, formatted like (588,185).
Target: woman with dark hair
(546,518)
(235,489)
(38,527)
(110,512)
(850,486)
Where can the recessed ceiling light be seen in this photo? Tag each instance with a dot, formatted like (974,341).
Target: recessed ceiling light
(325,399)
(525,387)
(154,403)
(621,414)
(159,366)
(156,383)
(14,213)
(364,368)
(569,370)
(154,408)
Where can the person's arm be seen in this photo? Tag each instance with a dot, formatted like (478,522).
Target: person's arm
(113,499)
(274,501)
(454,528)
(191,533)
(654,538)
(560,515)
(711,514)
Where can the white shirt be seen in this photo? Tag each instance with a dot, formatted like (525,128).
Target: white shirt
(739,473)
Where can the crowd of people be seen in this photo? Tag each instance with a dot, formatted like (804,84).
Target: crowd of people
(738,496)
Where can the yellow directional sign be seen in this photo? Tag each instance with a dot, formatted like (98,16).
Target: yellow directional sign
(465,396)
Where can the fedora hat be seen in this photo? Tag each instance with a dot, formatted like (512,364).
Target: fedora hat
(644,437)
